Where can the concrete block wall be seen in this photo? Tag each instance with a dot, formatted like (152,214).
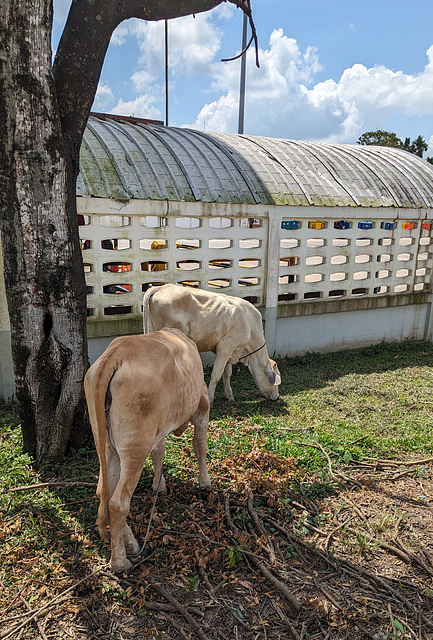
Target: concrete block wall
(323,278)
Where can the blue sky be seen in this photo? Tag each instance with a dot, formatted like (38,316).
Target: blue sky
(329,70)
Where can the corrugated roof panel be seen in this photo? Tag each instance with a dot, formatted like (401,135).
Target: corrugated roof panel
(126,158)
(383,189)
(357,179)
(216,178)
(413,169)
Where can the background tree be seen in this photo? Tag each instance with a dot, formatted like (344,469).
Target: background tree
(44,109)
(381,138)
(390,139)
(417,146)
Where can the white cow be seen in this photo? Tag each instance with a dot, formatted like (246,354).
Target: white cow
(230,327)
(141,389)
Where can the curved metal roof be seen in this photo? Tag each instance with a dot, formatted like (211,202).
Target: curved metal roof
(125,158)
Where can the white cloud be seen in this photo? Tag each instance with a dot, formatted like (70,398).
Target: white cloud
(141,107)
(225,11)
(384,89)
(142,80)
(193,44)
(282,100)
(120,34)
(104,97)
(221,115)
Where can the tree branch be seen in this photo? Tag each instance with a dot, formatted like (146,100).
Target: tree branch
(77,66)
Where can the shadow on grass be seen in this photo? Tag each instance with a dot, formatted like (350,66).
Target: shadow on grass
(190,542)
(315,371)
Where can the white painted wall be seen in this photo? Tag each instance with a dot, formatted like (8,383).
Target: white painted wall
(350,329)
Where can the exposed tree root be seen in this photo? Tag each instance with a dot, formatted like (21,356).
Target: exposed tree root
(227,566)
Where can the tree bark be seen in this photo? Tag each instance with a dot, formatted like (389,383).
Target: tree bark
(44,109)
(44,277)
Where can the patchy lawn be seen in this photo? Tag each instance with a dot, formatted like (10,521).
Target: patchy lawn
(318,525)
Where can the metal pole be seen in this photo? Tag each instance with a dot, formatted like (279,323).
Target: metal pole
(242,82)
(166,73)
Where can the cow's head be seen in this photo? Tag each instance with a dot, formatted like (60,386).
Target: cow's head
(267,377)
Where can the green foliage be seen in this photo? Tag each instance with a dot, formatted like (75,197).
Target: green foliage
(417,146)
(381,138)
(400,633)
(192,583)
(390,139)
(234,556)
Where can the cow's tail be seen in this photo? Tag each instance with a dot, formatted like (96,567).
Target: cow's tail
(96,385)
(147,320)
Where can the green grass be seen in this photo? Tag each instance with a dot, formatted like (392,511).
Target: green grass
(373,402)
(365,403)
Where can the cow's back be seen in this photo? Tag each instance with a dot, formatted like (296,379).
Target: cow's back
(154,379)
(204,316)
(161,377)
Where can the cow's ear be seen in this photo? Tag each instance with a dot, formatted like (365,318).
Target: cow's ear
(273,378)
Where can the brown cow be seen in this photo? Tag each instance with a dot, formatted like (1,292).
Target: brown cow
(138,391)
(230,327)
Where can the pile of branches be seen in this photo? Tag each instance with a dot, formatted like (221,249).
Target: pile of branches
(224,565)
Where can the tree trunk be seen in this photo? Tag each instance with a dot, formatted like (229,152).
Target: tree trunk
(43,113)
(44,277)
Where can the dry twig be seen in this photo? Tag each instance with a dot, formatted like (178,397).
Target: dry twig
(8,633)
(180,608)
(262,531)
(332,473)
(53,483)
(258,562)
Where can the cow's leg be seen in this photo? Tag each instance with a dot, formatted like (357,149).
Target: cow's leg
(157,454)
(200,421)
(217,371)
(113,468)
(132,547)
(119,505)
(226,382)
(113,472)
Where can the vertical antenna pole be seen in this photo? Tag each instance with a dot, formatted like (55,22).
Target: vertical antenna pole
(166,73)
(242,82)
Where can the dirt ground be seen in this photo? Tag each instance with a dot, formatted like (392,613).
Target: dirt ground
(351,558)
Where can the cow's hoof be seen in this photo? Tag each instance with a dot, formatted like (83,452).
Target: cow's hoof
(205,484)
(121,567)
(135,559)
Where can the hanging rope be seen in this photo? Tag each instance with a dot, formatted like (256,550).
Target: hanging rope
(245,6)
(250,354)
